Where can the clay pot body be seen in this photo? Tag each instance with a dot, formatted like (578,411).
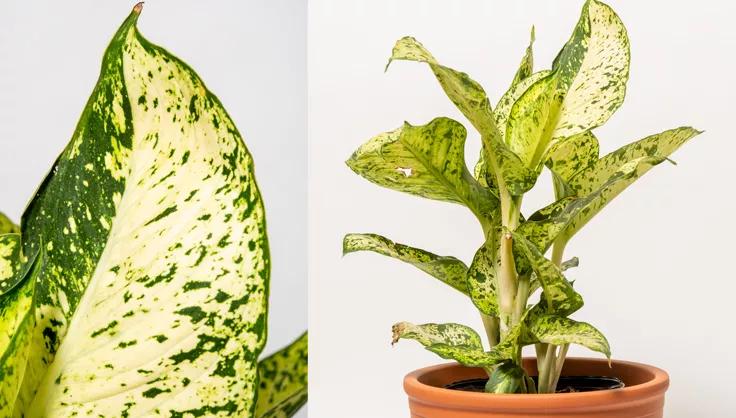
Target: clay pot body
(643,396)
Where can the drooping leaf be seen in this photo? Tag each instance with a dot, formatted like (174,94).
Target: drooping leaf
(608,177)
(472,101)
(482,281)
(592,68)
(465,93)
(7,226)
(448,270)
(561,299)
(427,161)
(155,237)
(456,342)
(557,330)
(431,334)
(282,387)
(17,320)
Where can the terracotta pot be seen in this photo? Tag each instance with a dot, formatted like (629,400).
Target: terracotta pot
(643,396)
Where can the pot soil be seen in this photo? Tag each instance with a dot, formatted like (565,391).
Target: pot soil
(641,397)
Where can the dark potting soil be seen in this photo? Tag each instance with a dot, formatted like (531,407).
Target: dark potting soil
(567,384)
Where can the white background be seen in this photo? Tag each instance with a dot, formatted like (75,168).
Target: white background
(252,55)
(655,265)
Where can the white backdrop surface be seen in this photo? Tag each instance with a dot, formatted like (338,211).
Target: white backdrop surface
(654,266)
(252,55)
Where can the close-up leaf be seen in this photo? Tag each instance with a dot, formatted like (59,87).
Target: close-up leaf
(17,322)
(152,299)
(448,270)
(282,389)
(427,161)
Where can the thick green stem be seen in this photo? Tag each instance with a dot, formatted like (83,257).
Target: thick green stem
(522,295)
(508,278)
(555,363)
(558,250)
(507,284)
(491,325)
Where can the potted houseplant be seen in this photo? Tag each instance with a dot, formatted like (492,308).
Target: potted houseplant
(545,119)
(137,281)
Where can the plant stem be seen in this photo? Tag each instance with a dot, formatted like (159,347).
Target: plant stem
(556,363)
(508,278)
(522,295)
(560,361)
(491,325)
(545,373)
(558,249)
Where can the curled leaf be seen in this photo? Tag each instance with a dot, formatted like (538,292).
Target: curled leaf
(448,270)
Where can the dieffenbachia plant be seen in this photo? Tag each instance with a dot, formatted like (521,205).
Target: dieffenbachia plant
(137,282)
(545,119)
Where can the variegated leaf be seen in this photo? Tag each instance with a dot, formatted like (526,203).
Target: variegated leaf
(448,270)
(503,108)
(608,177)
(453,342)
(7,226)
(587,84)
(506,378)
(506,103)
(17,321)
(10,261)
(526,67)
(472,101)
(427,161)
(430,334)
(482,281)
(155,234)
(561,299)
(282,387)
(466,93)
(558,330)
(531,120)
(592,70)
(570,156)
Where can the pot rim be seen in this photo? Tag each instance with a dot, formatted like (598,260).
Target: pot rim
(426,393)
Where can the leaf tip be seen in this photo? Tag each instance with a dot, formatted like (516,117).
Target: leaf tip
(396,331)
(138,8)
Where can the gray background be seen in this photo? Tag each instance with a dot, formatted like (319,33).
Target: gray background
(251,54)
(654,265)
